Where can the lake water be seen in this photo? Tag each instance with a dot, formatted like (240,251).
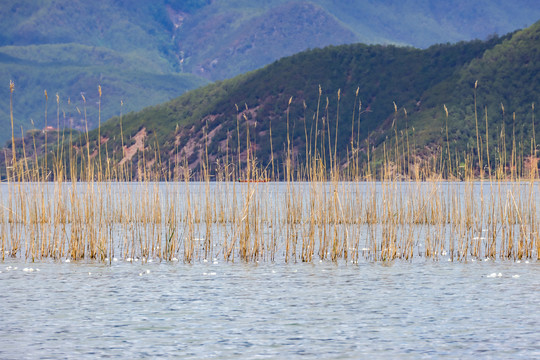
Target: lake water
(214,309)
(270,305)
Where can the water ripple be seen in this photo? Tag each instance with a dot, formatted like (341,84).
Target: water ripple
(207,310)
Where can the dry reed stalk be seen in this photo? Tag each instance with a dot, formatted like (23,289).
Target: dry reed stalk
(327,217)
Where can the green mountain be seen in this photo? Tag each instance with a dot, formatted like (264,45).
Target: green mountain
(419,82)
(147,52)
(506,81)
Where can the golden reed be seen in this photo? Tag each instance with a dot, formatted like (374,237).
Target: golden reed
(324,209)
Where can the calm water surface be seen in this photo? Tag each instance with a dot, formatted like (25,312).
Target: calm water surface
(223,310)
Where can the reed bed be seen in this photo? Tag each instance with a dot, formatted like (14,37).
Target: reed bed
(394,206)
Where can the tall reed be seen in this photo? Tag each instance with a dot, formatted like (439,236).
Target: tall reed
(326,209)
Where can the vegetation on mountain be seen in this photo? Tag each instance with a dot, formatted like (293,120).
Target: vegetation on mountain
(506,83)
(368,95)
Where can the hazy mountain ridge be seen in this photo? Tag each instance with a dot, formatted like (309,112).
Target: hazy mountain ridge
(412,23)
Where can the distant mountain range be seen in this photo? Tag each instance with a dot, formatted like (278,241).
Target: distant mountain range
(143,53)
(225,38)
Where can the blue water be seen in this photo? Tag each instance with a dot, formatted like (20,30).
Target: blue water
(425,309)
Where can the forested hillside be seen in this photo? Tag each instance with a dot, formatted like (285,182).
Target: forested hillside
(395,90)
